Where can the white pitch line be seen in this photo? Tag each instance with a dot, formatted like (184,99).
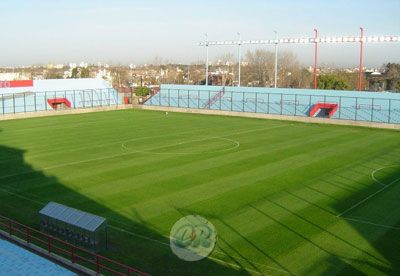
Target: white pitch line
(237,266)
(236,145)
(65,165)
(112,156)
(375,171)
(112,143)
(215,251)
(21,196)
(368,197)
(92,159)
(123,145)
(167,244)
(372,223)
(142,236)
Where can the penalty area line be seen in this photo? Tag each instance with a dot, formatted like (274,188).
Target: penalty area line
(379,169)
(164,243)
(371,223)
(21,196)
(368,197)
(209,257)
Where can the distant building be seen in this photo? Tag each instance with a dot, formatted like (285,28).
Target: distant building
(58,85)
(12,76)
(376,81)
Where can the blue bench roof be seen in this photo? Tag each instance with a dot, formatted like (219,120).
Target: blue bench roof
(72,216)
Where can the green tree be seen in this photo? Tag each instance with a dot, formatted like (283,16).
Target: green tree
(142,91)
(398,86)
(332,82)
(392,74)
(84,72)
(75,73)
(79,72)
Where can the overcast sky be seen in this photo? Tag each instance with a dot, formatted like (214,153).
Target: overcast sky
(118,31)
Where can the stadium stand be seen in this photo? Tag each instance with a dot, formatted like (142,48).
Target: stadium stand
(15,260)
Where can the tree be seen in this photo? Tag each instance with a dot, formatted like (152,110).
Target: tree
(84,72)
(392,75)
(74,73)
(142,91)
(260,68)
(79,72)
(290,73)
(332,82)
(53,74)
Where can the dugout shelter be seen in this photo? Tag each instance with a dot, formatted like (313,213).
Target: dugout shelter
(74,226)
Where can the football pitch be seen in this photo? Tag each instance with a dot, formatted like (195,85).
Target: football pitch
(284,197)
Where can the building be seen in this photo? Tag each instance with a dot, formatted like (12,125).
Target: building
(41,95)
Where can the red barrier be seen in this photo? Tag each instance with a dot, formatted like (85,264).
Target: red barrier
(75,254)
(16,83)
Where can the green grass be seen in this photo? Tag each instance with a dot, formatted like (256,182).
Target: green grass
(272,189)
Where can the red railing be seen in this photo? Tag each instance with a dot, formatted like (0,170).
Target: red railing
(74,254)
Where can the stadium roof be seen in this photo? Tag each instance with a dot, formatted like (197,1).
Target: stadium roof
(72,216)
(50,85)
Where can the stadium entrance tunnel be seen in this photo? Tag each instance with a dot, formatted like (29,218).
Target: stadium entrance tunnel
(324,110)
(59,103)
(25,190)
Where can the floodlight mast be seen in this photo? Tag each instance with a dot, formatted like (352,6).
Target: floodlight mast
(239,57)
(361,59)
(315,58)
(276,59)
(305,40)
(206,44)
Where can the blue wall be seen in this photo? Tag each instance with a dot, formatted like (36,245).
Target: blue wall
(364,106)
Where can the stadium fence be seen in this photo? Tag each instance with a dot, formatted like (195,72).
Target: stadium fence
(33,238)
(366,106)
(42,101)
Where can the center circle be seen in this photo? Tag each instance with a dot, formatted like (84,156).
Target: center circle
(193,238)
(182,146)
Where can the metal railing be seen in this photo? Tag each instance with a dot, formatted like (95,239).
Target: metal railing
(379,109)
(75,255)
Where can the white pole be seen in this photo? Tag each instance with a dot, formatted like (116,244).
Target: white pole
(206,59)
(239,58)
(276,59)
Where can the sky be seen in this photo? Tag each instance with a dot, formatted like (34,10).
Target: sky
(138,32)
